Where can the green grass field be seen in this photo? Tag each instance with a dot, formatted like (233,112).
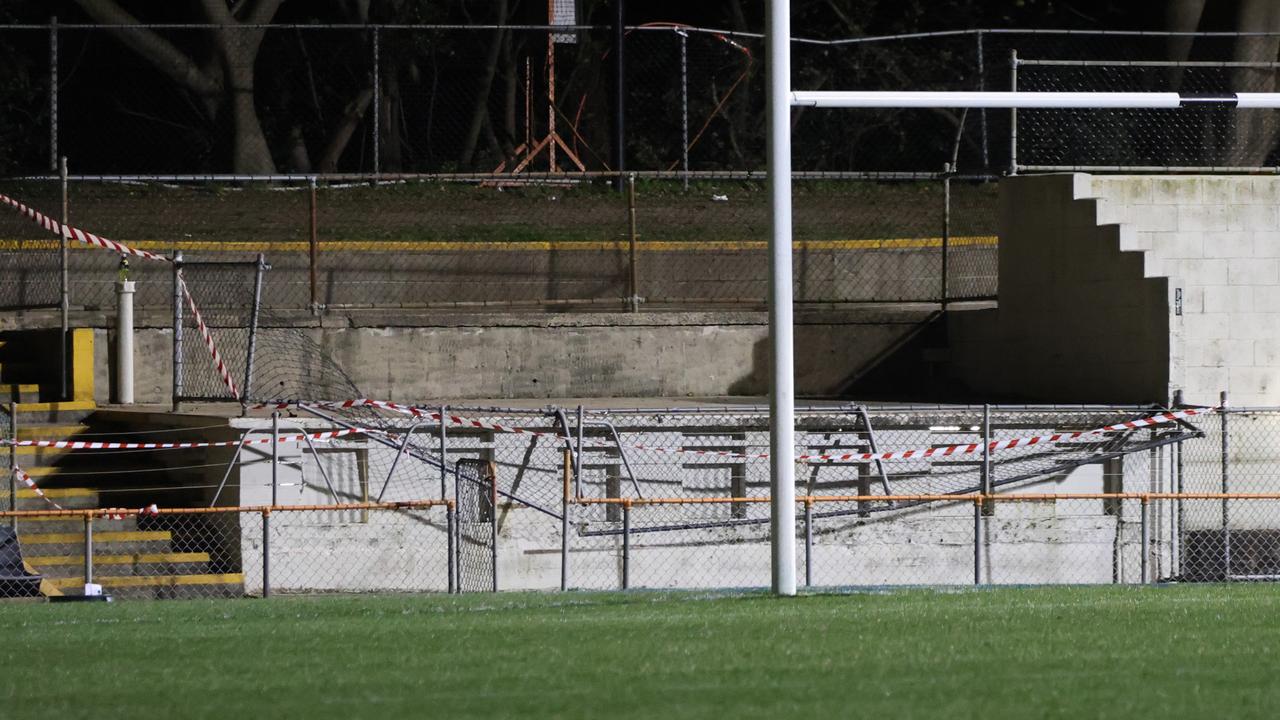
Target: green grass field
(1023,652)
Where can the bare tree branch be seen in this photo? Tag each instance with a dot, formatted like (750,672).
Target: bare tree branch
(160,52)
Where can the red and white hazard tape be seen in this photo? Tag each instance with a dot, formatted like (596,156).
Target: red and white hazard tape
(946,451)
(150,510)
(94,445)
(76,233)
(25,479)
(218,363)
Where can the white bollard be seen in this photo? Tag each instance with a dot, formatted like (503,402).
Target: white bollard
(124,342)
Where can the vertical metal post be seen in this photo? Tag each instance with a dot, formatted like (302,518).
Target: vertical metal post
(577,458)
(449,530)
(275,455)
(444,451)
(626,543)
(1226,487)
(1013,114)
(177,329)
(266,553)
(64,293)
(946,230)
(986,451)
(88,548)
(1145,520)
(782,481)
(566,470)
(633,291)
(13,462)
(53,93)
(253,332)
(492,472)
(684,104)
(808,542)
(377,104)
(977,540)
(982,87)
(313,245)
(619,87)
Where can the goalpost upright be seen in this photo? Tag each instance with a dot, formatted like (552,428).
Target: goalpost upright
(780,101)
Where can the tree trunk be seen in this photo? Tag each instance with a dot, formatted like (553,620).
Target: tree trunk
(250,154)
(481,108)
(389,119)
(351,119)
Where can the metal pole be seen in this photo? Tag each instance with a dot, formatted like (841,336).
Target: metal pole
(566,470)
(808,542)
(444,447)
(619,87)
(64,291)
(633,293)
(492,472)
(946,230)
(626,544)
(449,531)
(684,103)
(253,332)
(982,87)
(275,456)
(53,93)
(313,245)
(230,466)
(1226,487)
(266,553)
(177,329)
(88,549)
(13,462)
(1145,521)
(977,540)
(986,454)
(1013,114)
(782,516)
(577,459)
(377,104)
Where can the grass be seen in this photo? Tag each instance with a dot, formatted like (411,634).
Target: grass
(1019,652)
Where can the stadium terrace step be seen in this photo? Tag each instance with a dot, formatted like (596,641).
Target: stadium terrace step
(20,392)
(121,541)
(56,567)
(63,524)
(51,431)
(69,498)
(160,586)
(54,412)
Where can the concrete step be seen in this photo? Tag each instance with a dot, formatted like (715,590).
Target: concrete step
(55,412)
(125,541)
(51,431)
(159,586)
(140,564)
(68,498)
(60,524)
(20,392)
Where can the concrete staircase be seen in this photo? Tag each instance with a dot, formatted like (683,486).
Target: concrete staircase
(143,557)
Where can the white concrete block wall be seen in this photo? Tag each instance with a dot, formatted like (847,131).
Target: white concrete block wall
(1128,288)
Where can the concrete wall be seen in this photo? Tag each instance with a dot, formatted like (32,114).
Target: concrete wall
(543,356)
(1127,288)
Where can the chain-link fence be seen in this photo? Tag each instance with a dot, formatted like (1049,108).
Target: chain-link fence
(673,498)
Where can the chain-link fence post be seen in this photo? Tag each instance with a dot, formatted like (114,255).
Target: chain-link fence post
(53,93)
(88,549)
(633,290)
(982,87)
(177,329)
(1226,487)
(275,457)
(451,526)
(978,510)
(1013,114)
(377,105)
(64,291)
(946,231)
(266,550)
(313,245)
(1145,522)
(808,542)
(261,268)
(13,464)
(444,450)
(626,543)
(566,468)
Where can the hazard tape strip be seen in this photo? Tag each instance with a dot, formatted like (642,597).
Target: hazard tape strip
(76,233)
(945,451)
(25,479)
(218,363)
(90,445)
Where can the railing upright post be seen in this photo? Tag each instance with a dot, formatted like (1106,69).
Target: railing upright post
(313,245)
(450,522)
(88,549)
(177,330)
(566,465)
(13,463)
(808,542)
(633,290)
(1013,114)
(266,553)
(626,544)
(64,290)
(977,539)
(1145,521)
(946,233)
(275,457)
(53,93)
(1226,487)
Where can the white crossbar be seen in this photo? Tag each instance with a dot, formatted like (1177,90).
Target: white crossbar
(920,99)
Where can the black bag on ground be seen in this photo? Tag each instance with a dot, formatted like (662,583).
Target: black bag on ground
(15,581)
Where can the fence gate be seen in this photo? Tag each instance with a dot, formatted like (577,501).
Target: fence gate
(476,491)
(228,296)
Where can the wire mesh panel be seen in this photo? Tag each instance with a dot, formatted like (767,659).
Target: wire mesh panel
(219,311)
(477,513)
(29,254)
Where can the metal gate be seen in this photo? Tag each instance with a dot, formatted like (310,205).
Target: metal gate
(228,298)
(476,491)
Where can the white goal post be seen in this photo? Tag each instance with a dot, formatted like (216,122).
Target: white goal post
(780,100)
